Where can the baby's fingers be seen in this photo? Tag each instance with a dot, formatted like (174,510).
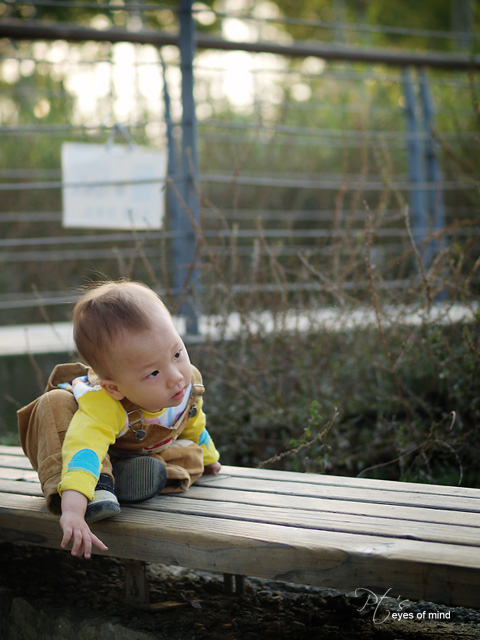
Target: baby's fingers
(76,529)
(98,543)
(67,534)
(80,544)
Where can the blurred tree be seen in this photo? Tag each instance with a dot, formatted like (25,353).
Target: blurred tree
(103,16)
(343,21)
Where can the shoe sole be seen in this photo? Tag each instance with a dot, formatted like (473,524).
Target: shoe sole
(139,478)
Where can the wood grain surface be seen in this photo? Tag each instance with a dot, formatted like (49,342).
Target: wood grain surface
(417,541)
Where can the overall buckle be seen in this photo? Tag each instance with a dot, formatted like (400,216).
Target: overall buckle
(140,432)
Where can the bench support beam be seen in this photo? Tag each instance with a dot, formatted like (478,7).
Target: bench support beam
(234,584)
(137,588)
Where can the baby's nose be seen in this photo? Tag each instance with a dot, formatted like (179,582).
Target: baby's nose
(175,376)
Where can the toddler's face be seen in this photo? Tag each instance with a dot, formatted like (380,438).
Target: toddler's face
(151,368)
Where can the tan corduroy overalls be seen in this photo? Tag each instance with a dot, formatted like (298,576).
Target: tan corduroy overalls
(43,423)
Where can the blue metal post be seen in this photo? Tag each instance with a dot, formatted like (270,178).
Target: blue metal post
(416,172)
(189,277)
(435,200)
(174,206)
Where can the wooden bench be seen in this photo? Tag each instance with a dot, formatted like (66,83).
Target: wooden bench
(416,541)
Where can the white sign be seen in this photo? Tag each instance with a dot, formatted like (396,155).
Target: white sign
(113,186)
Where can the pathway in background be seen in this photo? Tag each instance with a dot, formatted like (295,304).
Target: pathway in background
(57,337)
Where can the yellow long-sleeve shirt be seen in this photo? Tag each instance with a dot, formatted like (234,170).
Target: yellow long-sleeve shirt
(101,421)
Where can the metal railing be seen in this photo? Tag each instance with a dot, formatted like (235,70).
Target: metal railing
(218,210)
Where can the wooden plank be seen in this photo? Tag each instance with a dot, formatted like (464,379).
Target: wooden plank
(11,450)
(15,462)
(14,457)
(409,513)
(438,572)
(453,533)
(18,474)
(318,503)
(336,509)
(308,478)
(187,528)
(356,494)
(21,487)
(343,481)
(337,506)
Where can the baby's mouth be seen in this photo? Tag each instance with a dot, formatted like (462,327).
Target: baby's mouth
(178,397)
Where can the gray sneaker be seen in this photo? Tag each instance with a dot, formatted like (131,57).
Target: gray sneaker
(139,478)
(104,503)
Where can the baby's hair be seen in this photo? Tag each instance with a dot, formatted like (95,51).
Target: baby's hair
(105,311)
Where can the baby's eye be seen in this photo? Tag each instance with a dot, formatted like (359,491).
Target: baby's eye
(177,355)
(154,374)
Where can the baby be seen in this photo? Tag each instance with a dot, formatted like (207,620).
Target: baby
(125,428)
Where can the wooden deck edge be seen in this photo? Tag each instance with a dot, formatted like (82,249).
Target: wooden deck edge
(439,571)
(332,567)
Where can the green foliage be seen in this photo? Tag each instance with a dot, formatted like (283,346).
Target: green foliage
(261,410)
(164,17)
(387,398)
(333,19)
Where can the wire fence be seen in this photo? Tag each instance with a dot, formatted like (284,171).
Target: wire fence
(298,157)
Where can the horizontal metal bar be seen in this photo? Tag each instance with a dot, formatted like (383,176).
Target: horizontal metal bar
(127,236)
(28,30)
(97,6)
(44,300)
(53,184)
(254,180)
(49,299)
(320,182)
(76,254)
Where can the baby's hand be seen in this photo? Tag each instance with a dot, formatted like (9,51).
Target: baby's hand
(213,468)
(74,526)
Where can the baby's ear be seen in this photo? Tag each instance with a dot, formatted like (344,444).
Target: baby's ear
(112,389)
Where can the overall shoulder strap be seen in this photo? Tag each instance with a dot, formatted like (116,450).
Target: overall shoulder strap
(66,373)
(197,384)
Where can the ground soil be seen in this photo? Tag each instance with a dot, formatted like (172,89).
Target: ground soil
(48,594)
